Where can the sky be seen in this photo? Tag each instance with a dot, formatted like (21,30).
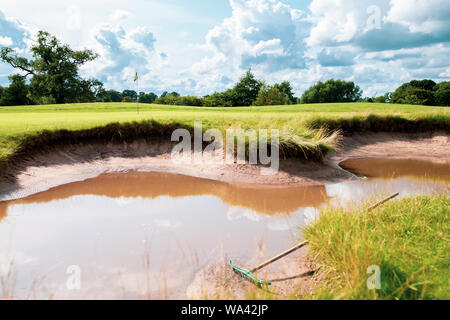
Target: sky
(198,47)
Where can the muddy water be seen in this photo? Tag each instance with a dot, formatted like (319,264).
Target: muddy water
(140,235)
(423,169)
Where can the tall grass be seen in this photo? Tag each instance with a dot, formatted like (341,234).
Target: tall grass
(408,240)
(383,123)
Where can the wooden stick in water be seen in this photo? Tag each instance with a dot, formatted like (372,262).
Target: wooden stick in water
(382,202)
(284,254)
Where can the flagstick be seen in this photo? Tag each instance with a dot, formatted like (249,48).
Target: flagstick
(137,89)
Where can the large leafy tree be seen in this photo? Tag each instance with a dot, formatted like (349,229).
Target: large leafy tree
(332,91)
(54,70)
(245,91)
(286,88)
(130,93)
(114,96)
(147,97)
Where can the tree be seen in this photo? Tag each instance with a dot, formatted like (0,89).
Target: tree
(54,68)
(246,90)
(332,91)
(130,93)
(423,84)
(102,95)
(380,99)
(147,98)
(218,99)
(88,91)
(168,99)
(115,96)
(418,96)
(17,92)
(419,92)
(192,101)
(127,99)
(271,95)
(442,94)
(286,88)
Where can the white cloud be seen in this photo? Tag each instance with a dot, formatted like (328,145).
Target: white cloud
(259,32)
(426,16)
(338,22)
(265,35)
(335,57)
(13,32)
(16,35)
(6,41)
(279,42)
(445,74)
(119,15)
(394,24)
(122,54)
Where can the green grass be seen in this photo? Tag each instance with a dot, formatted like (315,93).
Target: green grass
(26,127)
(407,239)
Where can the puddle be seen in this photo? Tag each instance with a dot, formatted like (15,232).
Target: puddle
(127,232)
(422,169)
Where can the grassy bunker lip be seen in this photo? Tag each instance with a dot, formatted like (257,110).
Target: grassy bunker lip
(384,123)
(322,135)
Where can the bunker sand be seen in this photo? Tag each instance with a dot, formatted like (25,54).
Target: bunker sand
(50,168)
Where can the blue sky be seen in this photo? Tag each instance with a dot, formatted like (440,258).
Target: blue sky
(201,46)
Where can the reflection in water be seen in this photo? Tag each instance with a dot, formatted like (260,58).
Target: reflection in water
(109,224)
(263,199)
(434,169)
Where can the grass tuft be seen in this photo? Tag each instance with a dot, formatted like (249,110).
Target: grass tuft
(407,239)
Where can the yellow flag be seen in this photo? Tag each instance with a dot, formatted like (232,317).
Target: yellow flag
(136,77)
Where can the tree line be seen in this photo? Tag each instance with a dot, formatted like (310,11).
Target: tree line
(52,76)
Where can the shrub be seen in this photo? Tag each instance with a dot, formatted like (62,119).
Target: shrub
(332,91)
(218,99)
(17,92)
(380,99)
(192,101)
(419,97)
(417,92)
(442,94)
(271,95)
